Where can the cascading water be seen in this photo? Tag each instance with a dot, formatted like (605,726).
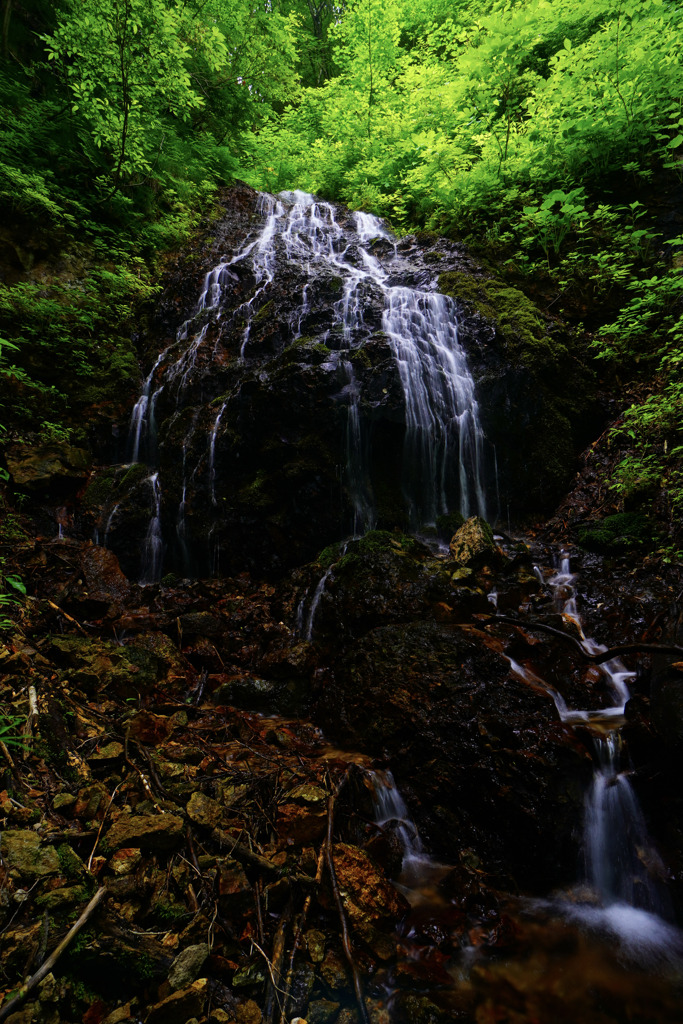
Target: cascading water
(622,866)
(152,554)
(442,463)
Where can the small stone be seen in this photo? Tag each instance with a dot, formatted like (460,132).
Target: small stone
(125,860)
(90,800)
(252,974)
(109,752)
(248,1012)
(219,1016)
(187,965)
(322,1011)
(180,1006)
(149,728)
(203,810)
(23,853)
(153,831)
(63,803)
(315,941)
(308,794)
(119,1015)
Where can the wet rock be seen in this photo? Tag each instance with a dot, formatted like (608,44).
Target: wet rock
(150,831)
(26,857)
(248,692)
(334,970)
(120,1015)
(54,469)
(200,624)
(410,1008)
(372,903)
(303,982)
(472,544)
(428,693)
(187,965)
(382,577)
(104,583)
(179,1007)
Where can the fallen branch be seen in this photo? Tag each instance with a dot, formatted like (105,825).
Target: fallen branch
(599,658)
(99,831)
(346,938)
(69,618)
(43,971)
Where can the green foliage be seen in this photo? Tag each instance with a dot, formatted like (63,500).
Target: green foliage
(621,532)
(9,598)
(469,113)
(10,729)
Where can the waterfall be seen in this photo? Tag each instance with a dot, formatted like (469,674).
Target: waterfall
(442,465)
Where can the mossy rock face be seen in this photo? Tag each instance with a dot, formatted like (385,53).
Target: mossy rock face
(536,395)
(621,532)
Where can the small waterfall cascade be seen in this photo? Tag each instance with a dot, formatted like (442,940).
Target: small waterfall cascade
(390,807)
(622,866)
(443,456)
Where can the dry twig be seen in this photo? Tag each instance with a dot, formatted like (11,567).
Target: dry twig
(43,971)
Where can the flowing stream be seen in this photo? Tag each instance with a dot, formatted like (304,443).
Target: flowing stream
(622,867)
(442,466)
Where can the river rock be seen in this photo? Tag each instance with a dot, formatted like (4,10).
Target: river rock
(472,544)
(150,831)
(372,903)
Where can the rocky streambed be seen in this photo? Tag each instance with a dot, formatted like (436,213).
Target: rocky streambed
(187,750)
